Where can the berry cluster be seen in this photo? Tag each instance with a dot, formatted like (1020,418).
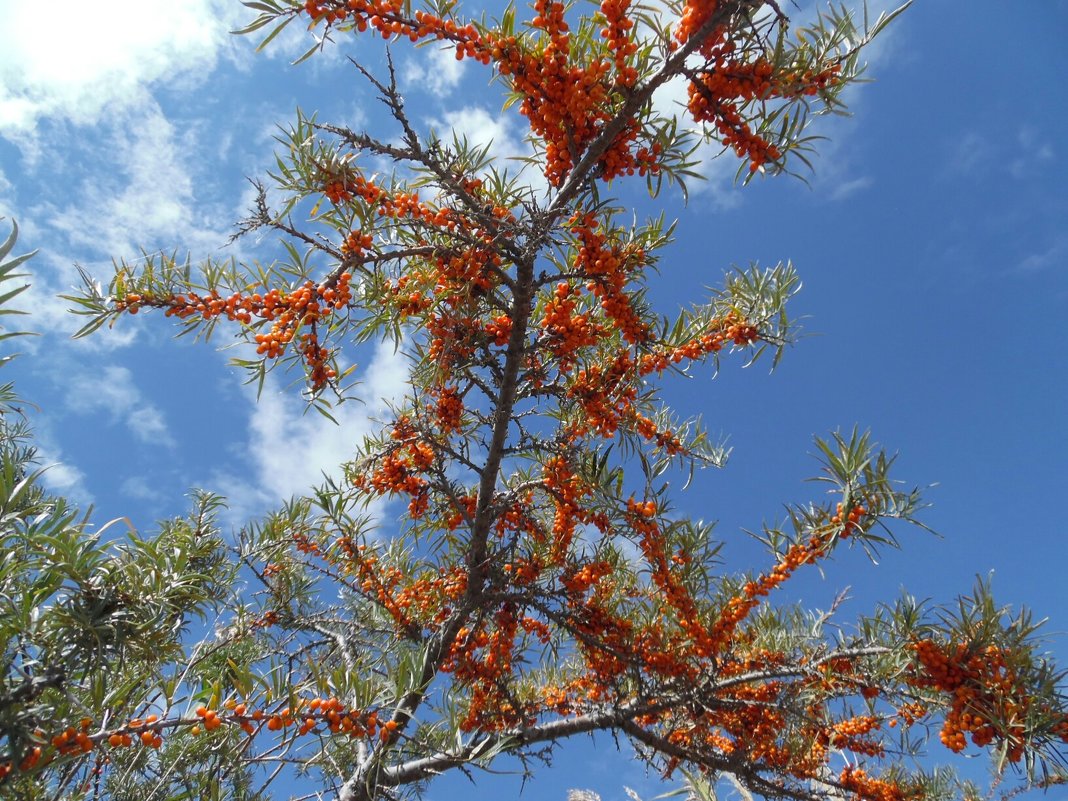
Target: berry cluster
(988,699)
(400,468)
(566,332)
(309,716)
(302,310)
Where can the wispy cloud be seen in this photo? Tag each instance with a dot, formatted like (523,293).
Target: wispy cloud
(1054,255)
(7,192)
(978,154)
(64,478)
(137,191)
(148,425)
(837,176)
(971,151)
(838,171)
(718,169)
(150,201)
(1034,153)
(113,391)
(850,187)
(483,128)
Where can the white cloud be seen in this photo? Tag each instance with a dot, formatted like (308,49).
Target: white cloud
(60,476)
(972,150)
(148,204)
(7,192)
(718,168)
(139,487)
(1032,140)
(503,132)
(835,172)
(54,274)
(76,60)
(112,390)
(65,479)
(1036,150)
(147,424)
(849,187)
(483,128)
(434,70)
(288,450)
(137,189)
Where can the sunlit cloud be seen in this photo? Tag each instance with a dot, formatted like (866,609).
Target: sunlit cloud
(716,167)
(61,476)
(850,187)
(7,192)
(1034,153)
(969,152)
(289,449)
(78,61)
(1053,256)
(434,70)
(502,132)
(64,478)
(978,154)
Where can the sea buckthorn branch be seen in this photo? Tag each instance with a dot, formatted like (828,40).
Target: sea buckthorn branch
(830,658)
(533,593)
(695,35)
(848,654)
(297,314)
(988,680)
(804,669)
(390,204)
(411,462)
(314,354)
(438,649)
(507,394)
(95,602)
(582,144)
(519,738)
(351,568)
(466,242)
(749,778)
(859,743)
(443,641)
(357,252)
(631,108)
(605,396)
(450,169)
(599,636)
(326,717)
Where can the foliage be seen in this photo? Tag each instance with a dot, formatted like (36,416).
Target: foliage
(540,584)
(91,629)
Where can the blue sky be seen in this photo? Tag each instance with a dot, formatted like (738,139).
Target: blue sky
(931,240)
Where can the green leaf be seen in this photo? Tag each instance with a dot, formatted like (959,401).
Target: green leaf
(270,37)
